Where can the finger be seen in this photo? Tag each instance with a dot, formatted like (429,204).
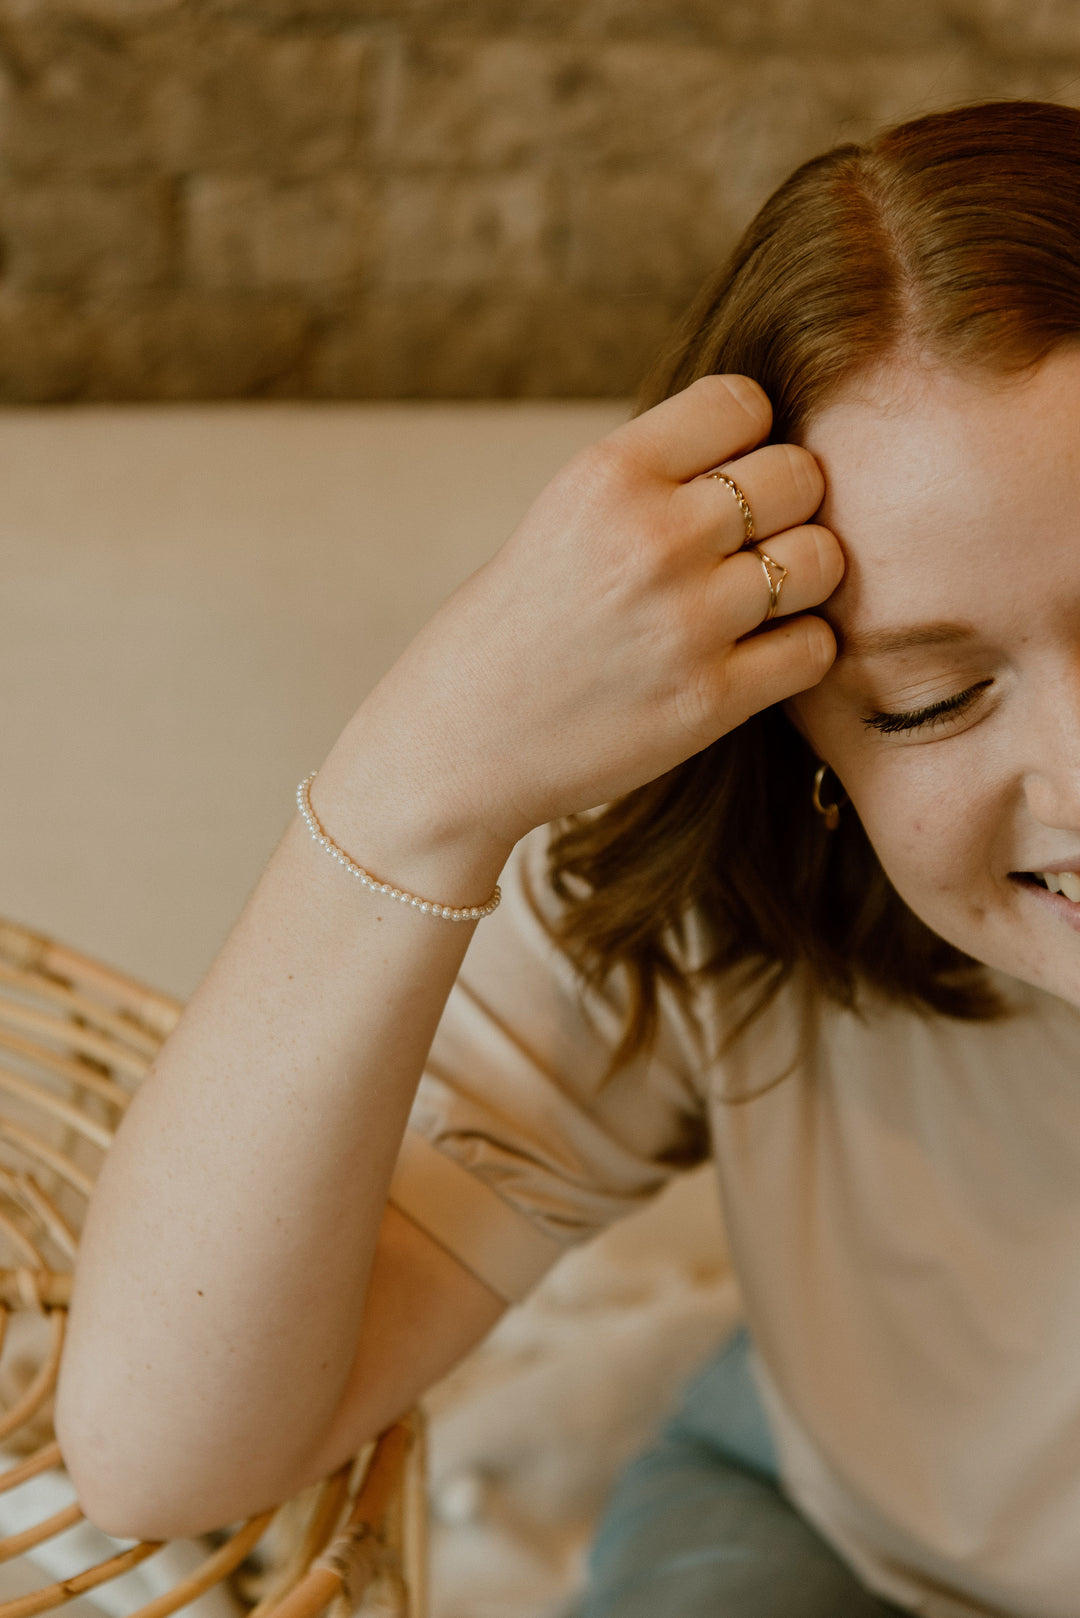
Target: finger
(815,566)
(715,418)
(783,485)
(769,668)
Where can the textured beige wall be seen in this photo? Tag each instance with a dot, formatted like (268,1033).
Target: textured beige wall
(427,198)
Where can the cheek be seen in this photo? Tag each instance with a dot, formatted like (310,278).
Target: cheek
(925,847)
(932,813)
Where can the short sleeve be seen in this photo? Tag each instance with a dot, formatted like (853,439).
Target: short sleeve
(515,1150)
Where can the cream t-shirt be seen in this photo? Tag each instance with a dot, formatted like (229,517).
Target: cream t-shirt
(902,1213)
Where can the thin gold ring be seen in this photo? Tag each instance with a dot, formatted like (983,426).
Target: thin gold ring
(744,505)
(775,585)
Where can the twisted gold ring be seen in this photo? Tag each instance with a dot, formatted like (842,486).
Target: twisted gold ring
(744,505)
(775,584)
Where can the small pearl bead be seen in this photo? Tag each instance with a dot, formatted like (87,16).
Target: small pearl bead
(366,880)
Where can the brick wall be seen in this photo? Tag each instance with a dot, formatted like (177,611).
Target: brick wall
(427,198)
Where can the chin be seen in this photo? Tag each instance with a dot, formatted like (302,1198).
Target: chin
(1058,977)
(1063,985)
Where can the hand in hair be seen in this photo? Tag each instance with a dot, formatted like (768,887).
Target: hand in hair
(614,634)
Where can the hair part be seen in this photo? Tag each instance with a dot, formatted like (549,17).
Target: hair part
(952,240)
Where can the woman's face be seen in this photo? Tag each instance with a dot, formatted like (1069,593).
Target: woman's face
(952,712)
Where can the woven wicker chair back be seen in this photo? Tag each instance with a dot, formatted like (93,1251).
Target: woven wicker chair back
(76,1038)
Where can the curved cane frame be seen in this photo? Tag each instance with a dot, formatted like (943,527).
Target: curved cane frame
(76,1038)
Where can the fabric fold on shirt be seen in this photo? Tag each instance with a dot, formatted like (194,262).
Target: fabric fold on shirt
(463,1214)
(527,1151)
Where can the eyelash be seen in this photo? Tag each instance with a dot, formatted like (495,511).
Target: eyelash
(889,723)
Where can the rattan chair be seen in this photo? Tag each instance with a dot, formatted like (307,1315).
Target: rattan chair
(76,1037)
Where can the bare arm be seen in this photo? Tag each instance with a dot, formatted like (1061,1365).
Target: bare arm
(423,1313)
(223,1266)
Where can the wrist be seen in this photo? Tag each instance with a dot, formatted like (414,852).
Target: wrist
(387,813)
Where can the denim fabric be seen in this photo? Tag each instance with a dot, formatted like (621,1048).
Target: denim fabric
(698,1528)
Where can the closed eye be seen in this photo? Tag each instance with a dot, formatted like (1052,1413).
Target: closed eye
(889,723)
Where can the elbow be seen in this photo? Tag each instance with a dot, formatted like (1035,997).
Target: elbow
(125,1504)
(136,1522)
(135,1481)
(119,1525)
(82,1453)
(102,1510)
(109,1505)
(97,1501)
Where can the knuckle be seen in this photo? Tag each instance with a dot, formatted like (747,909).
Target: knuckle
(605,456)
(806,476)
(613,504)
(603,466)
(829,559)
(819,646)
(723,387)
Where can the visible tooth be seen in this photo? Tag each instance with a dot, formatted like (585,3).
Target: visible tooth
(1051,881)
(1070,885)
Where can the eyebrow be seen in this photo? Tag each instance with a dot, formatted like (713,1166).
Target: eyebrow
(879,642)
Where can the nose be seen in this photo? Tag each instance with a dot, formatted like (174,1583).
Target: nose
(1052,780)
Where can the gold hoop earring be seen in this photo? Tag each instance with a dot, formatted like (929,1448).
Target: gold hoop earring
(829,812)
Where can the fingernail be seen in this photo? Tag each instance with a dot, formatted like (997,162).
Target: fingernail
(750,394)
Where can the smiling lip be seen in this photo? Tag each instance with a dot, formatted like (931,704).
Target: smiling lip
(1066,909)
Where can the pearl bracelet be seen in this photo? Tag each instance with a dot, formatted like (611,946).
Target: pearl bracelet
(447,912)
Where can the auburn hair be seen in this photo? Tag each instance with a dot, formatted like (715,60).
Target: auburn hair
(955,236)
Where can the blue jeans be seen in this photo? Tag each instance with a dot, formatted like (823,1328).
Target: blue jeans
(698,1528)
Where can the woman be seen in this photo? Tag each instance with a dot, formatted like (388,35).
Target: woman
(768,719)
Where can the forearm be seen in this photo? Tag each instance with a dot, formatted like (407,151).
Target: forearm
(223,1265)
